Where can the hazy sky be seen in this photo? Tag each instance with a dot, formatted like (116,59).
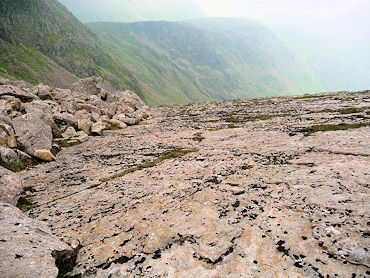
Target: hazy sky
(260,8)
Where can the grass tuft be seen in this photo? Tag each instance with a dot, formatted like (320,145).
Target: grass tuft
(169,155)
(198,137)
(330,127)
(310,96)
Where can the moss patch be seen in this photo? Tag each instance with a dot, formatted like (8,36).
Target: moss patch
(23,164)
(247,167)
(24,204)
(310,96)
(113,126)
(344,111)
(330,127)
(232,126)
(198,137)
(230,118)
(169,155)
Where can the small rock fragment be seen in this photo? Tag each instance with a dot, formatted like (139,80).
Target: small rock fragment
(45,155)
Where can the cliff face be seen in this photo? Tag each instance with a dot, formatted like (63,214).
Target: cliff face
(273,187)
(48,29)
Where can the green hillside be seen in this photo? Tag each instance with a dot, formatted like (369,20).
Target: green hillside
(197,61)
(28,64)
(164,62)
(49,28)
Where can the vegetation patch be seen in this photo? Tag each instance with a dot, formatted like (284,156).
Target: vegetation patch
(113,126)
(331,127)
(214,180)
(232,126)
(351,110)
(230,118)
(310,96)
(198,137)
(247,167)
(308,164)
(65,143)
(23,164)
(344,111)
(169,155)
(24,204)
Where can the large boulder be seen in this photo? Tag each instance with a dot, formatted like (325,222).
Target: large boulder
(43,92)
(32,133)
(9,90)
(28,248)
(7,135)
(20,84)
(89,86)
(97,128)
(69,133)
(8,157)
(65,119)
(10,187)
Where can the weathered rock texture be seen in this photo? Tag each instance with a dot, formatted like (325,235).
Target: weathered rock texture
(10,186)
(27,247)
(242,188)
(31,118)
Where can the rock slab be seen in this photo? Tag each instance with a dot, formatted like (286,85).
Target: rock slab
(27,246)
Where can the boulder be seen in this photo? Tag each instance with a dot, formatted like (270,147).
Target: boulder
(118,123)
(85,125)
(7,135)
(8,157)
(45,155)
(81,136)
(65,119)
(10,187)
(89,86)
(61,94)
(29,248)
(3,137)
(14,103)
(69,133)
(37,107)
(88,107)
(43,91)
(95,117)
(97,128)
(20,84)
(32,133)
(82,114)
(130,121)
(10,90)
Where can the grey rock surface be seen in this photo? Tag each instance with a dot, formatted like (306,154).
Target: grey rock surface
(10,90)
(258,193)
(32,133)
(10,186)
(32,119)
(27,245)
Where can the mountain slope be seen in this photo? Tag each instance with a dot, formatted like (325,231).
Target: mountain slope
(28,64)
(47,26)
(182,62)
(132,10)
